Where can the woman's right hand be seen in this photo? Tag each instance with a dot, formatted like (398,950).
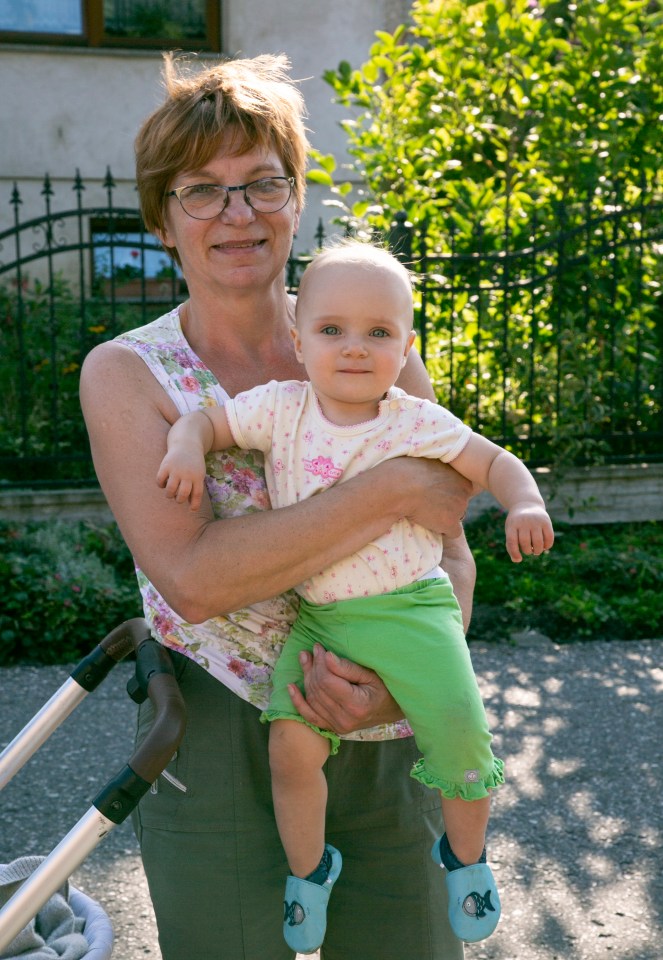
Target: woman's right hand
(434,495)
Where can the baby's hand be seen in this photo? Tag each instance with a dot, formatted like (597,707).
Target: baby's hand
(529,530)
(182,474)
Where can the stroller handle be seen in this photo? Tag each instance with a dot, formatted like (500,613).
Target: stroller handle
(154,678)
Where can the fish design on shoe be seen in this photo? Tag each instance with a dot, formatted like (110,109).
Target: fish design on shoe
(475,905)
(293,913)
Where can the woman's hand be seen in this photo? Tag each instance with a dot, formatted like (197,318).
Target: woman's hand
(434,494)
(340,695)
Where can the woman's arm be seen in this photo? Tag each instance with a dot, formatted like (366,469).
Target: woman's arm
(204,567)
(459,565)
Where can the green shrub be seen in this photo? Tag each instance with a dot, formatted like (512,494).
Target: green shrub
(598,582)
(44,335)
(65,586)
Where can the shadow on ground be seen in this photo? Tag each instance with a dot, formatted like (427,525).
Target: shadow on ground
(577,831)
(575,834)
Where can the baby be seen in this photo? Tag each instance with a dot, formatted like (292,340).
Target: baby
(390,606)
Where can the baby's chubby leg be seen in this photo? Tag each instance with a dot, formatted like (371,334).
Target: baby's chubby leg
(297,755)
(465,822)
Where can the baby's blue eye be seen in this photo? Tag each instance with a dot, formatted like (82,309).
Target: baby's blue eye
(330,331)
(379,333)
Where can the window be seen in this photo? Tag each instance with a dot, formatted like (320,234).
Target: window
(129,263)
(160,24)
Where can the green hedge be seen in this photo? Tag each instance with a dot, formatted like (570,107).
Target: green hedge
(601,582)
(65,585)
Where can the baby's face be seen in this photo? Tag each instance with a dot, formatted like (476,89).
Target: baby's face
(354,329)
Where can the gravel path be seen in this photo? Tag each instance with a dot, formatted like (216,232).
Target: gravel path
(576,836)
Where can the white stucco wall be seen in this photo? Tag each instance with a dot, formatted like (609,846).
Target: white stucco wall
(65,109)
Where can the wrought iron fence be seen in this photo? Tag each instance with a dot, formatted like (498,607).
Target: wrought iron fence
(553,346)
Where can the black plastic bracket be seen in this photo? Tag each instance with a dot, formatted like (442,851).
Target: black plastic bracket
(121,795)
(92,669)
(151,658)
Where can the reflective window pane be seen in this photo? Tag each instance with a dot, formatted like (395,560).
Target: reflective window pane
(177,19)
(134,255)
(42,16)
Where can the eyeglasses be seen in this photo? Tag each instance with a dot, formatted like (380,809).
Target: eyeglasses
(203,201)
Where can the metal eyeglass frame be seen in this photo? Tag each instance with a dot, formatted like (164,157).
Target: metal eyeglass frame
(242,186)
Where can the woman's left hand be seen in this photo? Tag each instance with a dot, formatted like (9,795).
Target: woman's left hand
(340,695)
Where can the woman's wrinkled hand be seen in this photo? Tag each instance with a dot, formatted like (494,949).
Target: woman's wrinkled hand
(340,695)
(436,495)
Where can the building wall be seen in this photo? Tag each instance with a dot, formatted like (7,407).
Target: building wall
(65,109)
(625,493)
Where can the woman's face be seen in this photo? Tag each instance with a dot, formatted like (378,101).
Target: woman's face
(239,248)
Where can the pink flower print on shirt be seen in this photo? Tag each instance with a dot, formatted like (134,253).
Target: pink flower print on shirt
(278,466)
(163,624)
(190,384)
(324,468)
(308,436)
(237,666)
(385,445)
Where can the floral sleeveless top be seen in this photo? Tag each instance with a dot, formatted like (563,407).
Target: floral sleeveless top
(238,649)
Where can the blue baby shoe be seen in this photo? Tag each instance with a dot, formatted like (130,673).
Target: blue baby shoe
(474,904)
(305,908)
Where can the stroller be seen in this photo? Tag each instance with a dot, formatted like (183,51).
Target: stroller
(153,678)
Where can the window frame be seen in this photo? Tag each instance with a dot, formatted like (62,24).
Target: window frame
(92,34)
(127,234)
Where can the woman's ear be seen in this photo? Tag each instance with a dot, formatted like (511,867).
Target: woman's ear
(163,236)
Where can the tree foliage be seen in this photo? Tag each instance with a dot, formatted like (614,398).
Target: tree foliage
(521,140)
(495,108)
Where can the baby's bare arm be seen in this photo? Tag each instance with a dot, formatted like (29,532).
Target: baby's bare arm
(182,470)
(528,527)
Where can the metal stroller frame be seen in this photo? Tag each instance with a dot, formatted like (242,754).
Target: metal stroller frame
(154,678)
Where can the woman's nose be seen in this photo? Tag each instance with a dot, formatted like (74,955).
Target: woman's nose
(237,209)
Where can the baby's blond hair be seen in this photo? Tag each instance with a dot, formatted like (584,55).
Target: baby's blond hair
(353,251)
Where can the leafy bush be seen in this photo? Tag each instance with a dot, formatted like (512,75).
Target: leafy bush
(520,139)
(598,582)
(44,336)
(65,586)
(468,104)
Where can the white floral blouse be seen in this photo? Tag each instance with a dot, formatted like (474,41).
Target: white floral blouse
(239,649)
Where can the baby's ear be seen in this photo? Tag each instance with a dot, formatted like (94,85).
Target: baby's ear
(294,333)
(408,345)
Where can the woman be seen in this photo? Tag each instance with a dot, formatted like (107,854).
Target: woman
(220,170)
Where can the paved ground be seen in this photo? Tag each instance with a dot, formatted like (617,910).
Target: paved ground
(576,836)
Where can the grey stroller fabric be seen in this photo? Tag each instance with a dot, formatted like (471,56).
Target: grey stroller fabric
(55,933)
(98,929)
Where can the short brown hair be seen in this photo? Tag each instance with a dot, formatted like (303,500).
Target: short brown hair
(256,100)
